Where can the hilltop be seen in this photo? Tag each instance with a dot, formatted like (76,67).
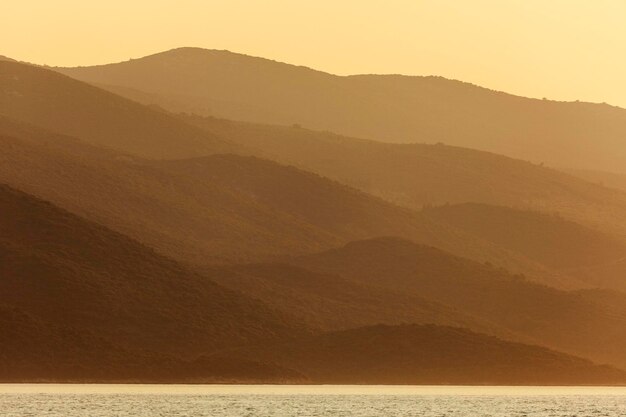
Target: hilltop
(391,108)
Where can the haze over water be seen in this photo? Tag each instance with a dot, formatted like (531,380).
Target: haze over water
(51,400)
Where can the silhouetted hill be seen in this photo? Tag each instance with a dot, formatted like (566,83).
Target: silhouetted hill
(37,350)
(4,58)
(564,320)
(549,239)
(417,175)
(74,284)
(330,302)
(391,108)
(411,354)
(428,174)
(64,105)
(83,303)
(219,208)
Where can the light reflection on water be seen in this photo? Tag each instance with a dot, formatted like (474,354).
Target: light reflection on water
(52,400)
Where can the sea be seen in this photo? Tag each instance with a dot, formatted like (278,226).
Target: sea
(95,400)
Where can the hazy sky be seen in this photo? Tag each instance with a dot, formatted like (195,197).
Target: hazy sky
(560,49)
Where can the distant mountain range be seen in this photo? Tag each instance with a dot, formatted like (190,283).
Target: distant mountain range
(415,175)
(391,108)
(140,244)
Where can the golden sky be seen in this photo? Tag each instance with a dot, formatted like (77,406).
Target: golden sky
(560,49)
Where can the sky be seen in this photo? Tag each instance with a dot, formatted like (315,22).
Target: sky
(558,49)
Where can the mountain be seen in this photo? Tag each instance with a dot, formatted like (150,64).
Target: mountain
(4,58)
(390,108)
(412,354)
(551,240)
(84,303)
(577,322)
(420,175)
(429,174)
(58,103)
(59,268)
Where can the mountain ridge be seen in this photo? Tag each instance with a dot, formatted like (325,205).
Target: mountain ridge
(388,108)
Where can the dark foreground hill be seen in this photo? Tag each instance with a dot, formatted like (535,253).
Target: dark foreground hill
(38,350)
(411,354)
(584,323)
(82,303)
(326,301)
(389,108)
(74,286)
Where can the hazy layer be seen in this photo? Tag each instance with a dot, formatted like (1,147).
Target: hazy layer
(561,49)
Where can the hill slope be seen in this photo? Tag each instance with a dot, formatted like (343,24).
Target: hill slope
(384,107)
(215,209)
(411,175)
(92,291)
(59,103)
(604,178)
(595,257)
(411,354)
(330,302)
(417,175)
(574,322)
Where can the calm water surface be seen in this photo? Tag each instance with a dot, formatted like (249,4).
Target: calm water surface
(44,400)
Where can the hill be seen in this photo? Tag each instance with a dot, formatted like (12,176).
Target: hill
(35,350)
(551,240)
(84,303)
(326,301)
(420,175)
(215,209)
(429,174)
(411,354)
(59,268)
(390,108)
(577,322)
(61,104)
